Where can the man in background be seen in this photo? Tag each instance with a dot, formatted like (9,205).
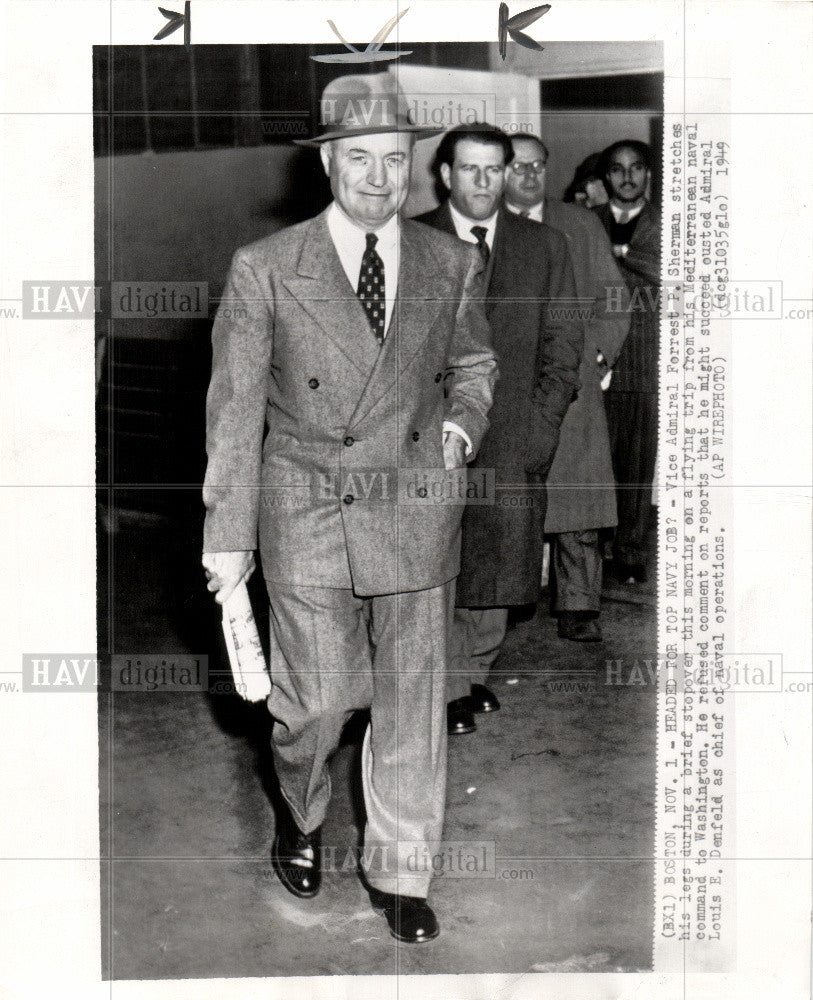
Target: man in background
(581,487)
(633,224)
(528,273)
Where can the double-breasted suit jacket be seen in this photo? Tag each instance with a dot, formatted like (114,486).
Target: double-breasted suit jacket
(539,350)
(344,420)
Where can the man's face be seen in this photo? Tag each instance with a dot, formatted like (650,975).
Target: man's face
(476,179)
(627,176)
(525,174)
(369,175)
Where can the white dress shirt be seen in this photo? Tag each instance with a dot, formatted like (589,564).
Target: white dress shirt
(350,242)
(537,213)
(630,213)
(463,224)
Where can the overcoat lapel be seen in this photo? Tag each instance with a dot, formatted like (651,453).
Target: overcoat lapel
(506,262)
(645,222)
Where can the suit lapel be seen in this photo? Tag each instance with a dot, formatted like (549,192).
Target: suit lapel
(420,296)
(321,287)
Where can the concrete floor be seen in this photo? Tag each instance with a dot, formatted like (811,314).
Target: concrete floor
(561,780)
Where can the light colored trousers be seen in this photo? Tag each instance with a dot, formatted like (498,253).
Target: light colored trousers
(333,652)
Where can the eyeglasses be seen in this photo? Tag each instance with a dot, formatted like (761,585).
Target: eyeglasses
(537,167)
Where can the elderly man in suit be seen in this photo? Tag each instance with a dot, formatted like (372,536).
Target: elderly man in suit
(337,337)
(528,274)
(581,487)
(633,224)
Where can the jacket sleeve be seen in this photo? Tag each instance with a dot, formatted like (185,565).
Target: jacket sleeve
(611,316)
(561,342)
(471,363)
(242,341)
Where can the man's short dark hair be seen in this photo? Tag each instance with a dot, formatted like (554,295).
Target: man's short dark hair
(490,135)
(533,138)
(639,148)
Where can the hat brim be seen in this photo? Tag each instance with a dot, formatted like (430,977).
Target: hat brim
(419,131)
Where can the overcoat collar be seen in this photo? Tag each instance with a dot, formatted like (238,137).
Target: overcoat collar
(442,219)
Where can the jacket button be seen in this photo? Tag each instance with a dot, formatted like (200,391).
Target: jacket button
(439,376)
(314,383)
(348,499)
(415,436)
(421,491)
(349,441)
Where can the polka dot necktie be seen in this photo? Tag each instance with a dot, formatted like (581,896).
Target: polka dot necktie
(479,233)
(371,287)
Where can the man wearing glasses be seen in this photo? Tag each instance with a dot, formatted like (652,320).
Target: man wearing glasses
(528,274)
(581,487)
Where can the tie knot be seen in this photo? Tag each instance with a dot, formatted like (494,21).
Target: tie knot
(372,239)
(479,233)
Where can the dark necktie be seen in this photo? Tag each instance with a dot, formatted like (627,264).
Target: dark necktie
(371,287)
(479,233)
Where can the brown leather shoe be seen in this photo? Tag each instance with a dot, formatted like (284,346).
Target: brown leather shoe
(410,918)
(296,859)
(459,717)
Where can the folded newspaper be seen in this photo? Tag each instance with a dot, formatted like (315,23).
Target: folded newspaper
(249,669)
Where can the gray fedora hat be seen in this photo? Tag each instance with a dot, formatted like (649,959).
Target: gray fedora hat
(364,104)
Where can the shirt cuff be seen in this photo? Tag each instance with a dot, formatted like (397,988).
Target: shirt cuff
(449,425)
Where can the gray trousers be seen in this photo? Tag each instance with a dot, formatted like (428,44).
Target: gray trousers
(577,565)
(477,635)
(332,653)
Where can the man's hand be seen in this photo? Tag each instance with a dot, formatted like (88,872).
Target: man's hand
(226,570)
(454,451)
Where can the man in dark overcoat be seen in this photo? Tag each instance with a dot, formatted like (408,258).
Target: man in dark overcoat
(633,224)
(581,487)
(528,276)
(331,349)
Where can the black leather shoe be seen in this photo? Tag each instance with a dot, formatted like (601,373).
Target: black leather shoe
(459,717)
(296,859)
(575,627)
(629,573)
(410,918)
(483,700)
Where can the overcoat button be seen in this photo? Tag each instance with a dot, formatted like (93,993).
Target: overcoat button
(415,436)
(439,376)
(421,491)
(349,441)
(314,383)
(348,499)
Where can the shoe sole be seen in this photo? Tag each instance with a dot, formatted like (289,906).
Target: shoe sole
(420,940)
